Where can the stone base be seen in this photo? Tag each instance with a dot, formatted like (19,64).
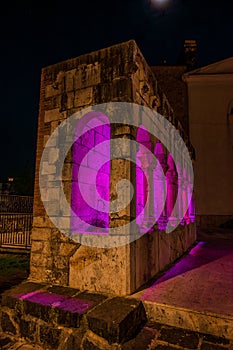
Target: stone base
(204,322)
(211,221)
(43,317)
(65,318)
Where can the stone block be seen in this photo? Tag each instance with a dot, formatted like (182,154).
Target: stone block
(7,323)
(178,336)
(49,336)
(216,340)
(52,115)
(63,290)
(83,97)
(92,341)
(10,297)
(208,346)
(37,247)
(5,342)
(41,260)
(69,80)
(48,169)
(42,221)
(52,90)
(37,310)
(117,319)
(38,273)
(87,75)
(40,234)
(53,155)
(93,297)
(142,341)
(97,270)
(69,319)
(74,341)
(88,344)
(27,329)
(71,311)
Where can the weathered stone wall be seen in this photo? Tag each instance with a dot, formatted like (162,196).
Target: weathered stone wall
(118,73)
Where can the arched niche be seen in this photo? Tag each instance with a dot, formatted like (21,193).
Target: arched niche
(172,189)
(90,194)
(160,186)
(142,176)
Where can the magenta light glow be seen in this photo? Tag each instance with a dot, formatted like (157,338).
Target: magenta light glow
(62,302)
(94,182)
(142,181)
(156,184)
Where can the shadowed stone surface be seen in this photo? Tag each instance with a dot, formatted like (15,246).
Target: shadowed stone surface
(4,341)
(88,345)
(163,347)
(27,329)
(63,290)
(117,319)
(49,336)
(180,337)
(141,341)
(216,340)
(7,325)
(208,346)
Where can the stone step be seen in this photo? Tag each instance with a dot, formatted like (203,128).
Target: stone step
(61,317)
(218,325)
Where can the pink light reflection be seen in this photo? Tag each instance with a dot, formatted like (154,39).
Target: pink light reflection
(62,302)
(95,132)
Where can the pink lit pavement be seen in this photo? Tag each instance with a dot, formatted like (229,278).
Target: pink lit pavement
(197,292)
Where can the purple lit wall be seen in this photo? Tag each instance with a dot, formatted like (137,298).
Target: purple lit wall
(86,167)
(156,184)
(172,187)
(160,186)
(142,163)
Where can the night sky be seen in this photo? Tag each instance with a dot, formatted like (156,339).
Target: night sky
(34,35)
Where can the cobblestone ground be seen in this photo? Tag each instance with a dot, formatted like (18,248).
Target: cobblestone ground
(152,337)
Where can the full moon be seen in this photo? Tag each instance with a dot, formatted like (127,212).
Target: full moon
(159,3)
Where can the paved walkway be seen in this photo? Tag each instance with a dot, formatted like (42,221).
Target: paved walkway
(202,280)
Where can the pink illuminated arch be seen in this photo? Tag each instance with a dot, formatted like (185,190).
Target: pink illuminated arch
(142,180)
(95,129)
(172,189)
(160,186)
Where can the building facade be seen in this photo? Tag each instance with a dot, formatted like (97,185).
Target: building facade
(210,101)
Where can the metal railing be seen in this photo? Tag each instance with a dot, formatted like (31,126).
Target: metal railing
(15,221)
(15,204)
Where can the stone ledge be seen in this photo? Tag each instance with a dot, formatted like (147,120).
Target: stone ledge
(53,304)
(197,321)
(107,323)
(117,319)
(55,315)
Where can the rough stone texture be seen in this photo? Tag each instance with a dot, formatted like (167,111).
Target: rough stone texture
(8,325)
(49,336)
(115,323)
(142,341)
(179,337)
(118,73)
(149,338)
(117,319)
